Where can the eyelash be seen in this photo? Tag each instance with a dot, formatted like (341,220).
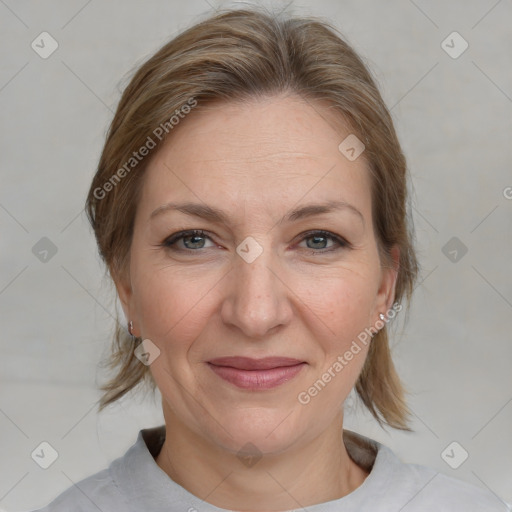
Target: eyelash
(169,243)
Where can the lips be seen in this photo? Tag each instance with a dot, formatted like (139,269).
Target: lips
(256,374)
(246,363)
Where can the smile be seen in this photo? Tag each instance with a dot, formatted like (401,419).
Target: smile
(256,374)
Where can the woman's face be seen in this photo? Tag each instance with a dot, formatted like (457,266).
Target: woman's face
(284,265)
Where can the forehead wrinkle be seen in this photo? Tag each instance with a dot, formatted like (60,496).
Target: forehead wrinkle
(258,158)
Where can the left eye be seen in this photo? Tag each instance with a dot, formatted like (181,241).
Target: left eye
(318,240)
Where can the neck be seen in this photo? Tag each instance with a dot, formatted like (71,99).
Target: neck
(305,475)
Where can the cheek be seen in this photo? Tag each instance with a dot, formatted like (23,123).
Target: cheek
(172,305)
(343,307)
(342,301)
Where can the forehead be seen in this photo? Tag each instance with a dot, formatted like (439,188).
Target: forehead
(261,151)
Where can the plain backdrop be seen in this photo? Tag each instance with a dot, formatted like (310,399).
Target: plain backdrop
(453,112)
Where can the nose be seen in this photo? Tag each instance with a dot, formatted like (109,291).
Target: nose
(257,298)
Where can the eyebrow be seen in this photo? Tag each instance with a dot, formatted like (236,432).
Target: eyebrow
(215,215)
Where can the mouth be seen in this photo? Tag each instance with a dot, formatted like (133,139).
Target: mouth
(256,374)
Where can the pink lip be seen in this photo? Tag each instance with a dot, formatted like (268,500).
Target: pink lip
(248,373)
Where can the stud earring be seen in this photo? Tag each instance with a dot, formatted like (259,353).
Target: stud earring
(382,317)
(130,327)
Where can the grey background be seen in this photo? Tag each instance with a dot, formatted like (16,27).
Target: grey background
(454,120)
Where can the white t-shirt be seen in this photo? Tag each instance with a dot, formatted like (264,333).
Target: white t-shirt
(135,483)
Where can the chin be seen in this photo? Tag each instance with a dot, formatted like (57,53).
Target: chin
(269,430)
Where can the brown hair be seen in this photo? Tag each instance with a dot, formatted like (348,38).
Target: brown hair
(236,55)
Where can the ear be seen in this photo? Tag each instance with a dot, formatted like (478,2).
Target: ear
(125,294)
(387,285)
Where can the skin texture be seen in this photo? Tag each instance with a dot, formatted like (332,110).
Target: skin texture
(256,161)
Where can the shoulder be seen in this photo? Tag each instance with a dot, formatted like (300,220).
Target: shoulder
(454,494)
(421,488)
(96,492)
(129,478)
(393,485)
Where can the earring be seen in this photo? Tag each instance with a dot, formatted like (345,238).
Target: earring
(383,318)
(130,327)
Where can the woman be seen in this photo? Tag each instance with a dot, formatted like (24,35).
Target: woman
(250,205)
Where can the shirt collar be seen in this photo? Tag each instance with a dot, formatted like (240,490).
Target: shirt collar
(147,487)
